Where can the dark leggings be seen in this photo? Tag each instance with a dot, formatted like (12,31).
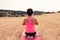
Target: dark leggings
(30,34)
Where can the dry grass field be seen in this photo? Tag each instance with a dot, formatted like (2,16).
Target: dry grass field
(11,28)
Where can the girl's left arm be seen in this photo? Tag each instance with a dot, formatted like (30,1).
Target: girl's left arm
(23,22)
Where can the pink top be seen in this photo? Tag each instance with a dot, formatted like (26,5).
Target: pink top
(30,25)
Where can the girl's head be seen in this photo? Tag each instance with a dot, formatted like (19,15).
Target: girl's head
(29,12)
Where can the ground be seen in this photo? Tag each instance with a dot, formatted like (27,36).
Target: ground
(11,28)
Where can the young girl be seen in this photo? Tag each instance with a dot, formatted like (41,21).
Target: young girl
(30,23)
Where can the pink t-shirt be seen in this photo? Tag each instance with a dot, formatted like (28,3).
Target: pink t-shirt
(30,25)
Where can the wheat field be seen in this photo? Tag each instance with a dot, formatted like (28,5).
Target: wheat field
(11,28)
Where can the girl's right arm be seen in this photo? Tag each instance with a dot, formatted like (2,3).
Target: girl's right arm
(36,22)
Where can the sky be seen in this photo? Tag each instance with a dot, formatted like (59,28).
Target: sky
(39,5)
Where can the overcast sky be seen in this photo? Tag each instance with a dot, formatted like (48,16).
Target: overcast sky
(41,5)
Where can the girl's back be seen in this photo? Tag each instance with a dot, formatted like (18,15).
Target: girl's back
(30,24)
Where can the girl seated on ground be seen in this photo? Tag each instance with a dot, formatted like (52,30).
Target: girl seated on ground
(30,23)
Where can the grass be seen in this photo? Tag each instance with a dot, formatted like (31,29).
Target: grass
(11,28)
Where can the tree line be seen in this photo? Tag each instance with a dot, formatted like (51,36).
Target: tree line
(12,13)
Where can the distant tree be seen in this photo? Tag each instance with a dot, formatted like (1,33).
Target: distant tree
(9,15)
(1,15)
(58,11)
(38,12)
(52,12)
(14,13)
(47,12)
(22,15)
(16,16)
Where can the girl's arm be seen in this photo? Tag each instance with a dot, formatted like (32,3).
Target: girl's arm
(23,22)
(36,22)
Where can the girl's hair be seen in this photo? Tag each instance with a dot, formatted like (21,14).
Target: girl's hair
(29,11)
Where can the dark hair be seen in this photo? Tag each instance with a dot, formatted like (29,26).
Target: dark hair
(29,11)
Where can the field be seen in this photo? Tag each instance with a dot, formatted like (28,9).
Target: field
(11,28)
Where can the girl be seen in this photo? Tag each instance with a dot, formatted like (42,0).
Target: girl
(30,23)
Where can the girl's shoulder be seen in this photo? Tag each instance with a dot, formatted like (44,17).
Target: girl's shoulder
(34,19)
(25,19)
